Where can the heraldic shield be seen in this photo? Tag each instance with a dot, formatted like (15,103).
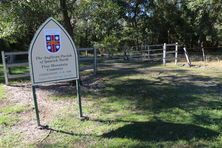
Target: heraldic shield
(53,40)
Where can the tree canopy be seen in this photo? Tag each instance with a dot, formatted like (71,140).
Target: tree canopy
(110,24)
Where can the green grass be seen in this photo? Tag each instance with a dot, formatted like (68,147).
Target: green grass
(159,107)
(8,120)
(137,105)
(9,117)
(9,114)
(19,70)
(10,140)
(12,109)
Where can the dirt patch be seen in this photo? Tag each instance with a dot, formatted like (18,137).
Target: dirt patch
(21,93)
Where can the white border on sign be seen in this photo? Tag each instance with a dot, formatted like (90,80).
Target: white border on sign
(31,48)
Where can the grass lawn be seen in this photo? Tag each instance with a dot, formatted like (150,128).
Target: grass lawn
(128,105)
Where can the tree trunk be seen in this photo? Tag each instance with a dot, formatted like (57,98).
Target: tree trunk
(66,18)
(68,25)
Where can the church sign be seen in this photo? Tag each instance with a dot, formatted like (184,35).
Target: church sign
(52,55)
(53,58)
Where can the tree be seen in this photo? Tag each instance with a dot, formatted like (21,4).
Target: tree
(207,20)
(20,19)
(116,22)
(65,17)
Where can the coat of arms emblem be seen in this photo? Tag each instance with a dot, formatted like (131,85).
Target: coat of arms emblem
(53,41)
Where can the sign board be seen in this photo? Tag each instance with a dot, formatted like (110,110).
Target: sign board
(52,55)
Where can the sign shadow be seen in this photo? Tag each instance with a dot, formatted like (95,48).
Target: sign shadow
(161,131)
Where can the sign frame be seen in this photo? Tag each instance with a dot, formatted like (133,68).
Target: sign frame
(37,84)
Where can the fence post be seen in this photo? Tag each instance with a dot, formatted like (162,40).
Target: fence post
(164,54)
(148,52)
(86,52)
(202,48)
(141,52)
(95,61)
(130,53)
(5,68)
(176,53)
(187,57)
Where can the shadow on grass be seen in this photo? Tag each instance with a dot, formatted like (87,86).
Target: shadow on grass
(119,69)
(161,131)
(155,131)
(185,92)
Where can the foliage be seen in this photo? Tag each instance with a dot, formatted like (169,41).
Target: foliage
(108,45)
(20,19)
(132,21)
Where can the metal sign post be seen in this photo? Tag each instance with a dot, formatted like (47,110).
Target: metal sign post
(79,98)
(36,105)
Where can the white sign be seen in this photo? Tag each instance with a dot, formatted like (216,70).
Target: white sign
(52,54)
